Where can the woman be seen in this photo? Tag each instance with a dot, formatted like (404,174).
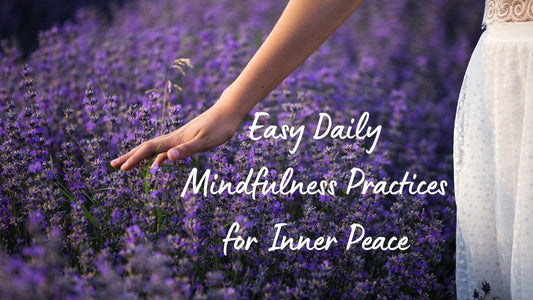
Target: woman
(493,157)
(493,144)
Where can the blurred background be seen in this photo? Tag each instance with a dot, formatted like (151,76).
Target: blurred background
(95,87)
(21,20)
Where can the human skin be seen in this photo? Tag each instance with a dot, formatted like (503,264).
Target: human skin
(302,27)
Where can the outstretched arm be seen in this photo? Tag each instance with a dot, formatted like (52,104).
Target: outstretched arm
(303,26)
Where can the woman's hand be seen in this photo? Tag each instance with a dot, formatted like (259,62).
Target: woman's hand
(208,130)
(301,29)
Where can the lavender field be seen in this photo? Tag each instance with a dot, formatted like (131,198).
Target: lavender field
(73,227)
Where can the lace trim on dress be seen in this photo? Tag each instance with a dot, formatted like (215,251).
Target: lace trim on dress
(508,11)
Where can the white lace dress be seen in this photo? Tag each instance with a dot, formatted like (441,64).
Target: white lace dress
(493,157)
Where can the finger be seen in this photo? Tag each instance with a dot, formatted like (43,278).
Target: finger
(145,151)
(160,158)
(119,161)
(185,150)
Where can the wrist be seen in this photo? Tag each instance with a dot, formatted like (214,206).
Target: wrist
(234,104)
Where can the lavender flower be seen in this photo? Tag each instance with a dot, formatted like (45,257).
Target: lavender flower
(73,227)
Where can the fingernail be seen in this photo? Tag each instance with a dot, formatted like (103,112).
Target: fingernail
(113,161)
(173,154)
(124,167)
